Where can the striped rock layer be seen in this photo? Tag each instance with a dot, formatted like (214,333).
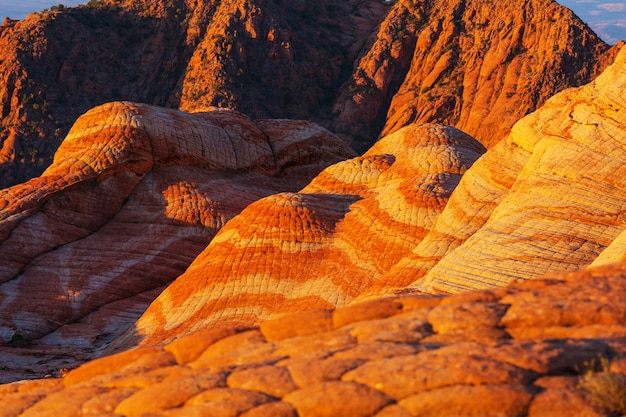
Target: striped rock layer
(539,348)
(550,197)
(134,194)
(323,246)
(137,193)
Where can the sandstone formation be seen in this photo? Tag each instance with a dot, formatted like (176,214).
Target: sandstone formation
(229,258)
(268,58)
(550,197)
(353,66)
(530,349)
(374,225)
(476,65)
(134,194)
(321,247)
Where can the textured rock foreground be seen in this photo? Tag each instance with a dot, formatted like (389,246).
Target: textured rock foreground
(522,350)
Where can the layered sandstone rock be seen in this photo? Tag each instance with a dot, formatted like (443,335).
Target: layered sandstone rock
(323,246)
(550,197)
(134,194)
(268,59)
(529,349)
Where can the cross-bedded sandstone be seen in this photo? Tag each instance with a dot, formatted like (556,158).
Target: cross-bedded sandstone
(134,194)
(323,246)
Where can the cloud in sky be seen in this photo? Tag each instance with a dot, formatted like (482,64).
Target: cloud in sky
(606,18)
(612,7)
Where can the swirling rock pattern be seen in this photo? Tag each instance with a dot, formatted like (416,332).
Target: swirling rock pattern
(259,323)
(550,197)
(134,194)
(323,246)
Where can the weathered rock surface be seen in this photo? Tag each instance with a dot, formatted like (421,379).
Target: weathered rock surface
(134,195)
(323,246)
(481,67)
(550,197)
(380,222)
(529,352)
(269,59)
(353,66)
(261,318)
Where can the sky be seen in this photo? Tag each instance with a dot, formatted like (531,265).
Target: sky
(606,17)
(18,9)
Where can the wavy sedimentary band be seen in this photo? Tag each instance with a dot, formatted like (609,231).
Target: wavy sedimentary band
(323,246)
(557,206)
(134,194)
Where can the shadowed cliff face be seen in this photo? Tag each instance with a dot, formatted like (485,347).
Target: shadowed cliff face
(479,66)
(358,67)
(266,58)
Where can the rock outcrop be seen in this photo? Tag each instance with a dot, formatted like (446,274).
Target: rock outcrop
(321,247)
(475,65)
(537,348)
(382,222)
(235,255)
(269,59)
(134,195)
(550,197)
(353,66)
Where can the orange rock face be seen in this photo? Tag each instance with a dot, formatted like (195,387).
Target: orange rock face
(547,198)
(134,194)
(475,65)
(230,258)
(354,66)
(520,356)
(323,246)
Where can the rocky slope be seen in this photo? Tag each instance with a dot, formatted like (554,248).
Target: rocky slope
(138,191)
(548,198)
(354,67)
(538,348)
(323,246)
(363,227)
(476,65)
(272,231)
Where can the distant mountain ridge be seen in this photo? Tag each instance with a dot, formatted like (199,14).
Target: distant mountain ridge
(361,68)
